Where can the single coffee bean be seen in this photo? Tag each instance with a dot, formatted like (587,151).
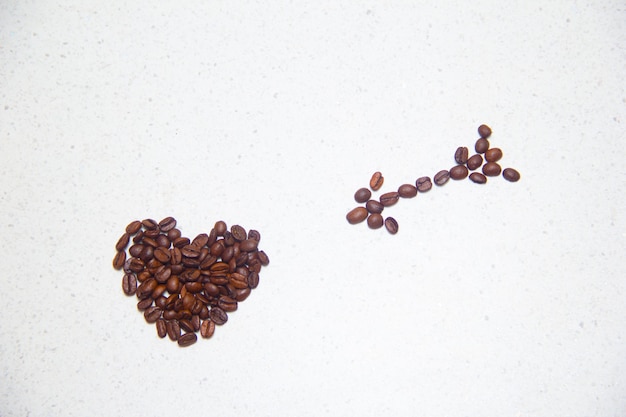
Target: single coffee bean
(195,322)
(149,224)
(362,195)
(374,206)
(207,328)
(242,293)
(120,256)
(220,227)
(458,172)
(190,251)
(161,328)
(263,258)
(354,216)
(135,250)
(376,181)
(227,304)
(186,325)
(375,221)
(491,169)
(249,245)
(133,227)
(152,234)
(423,184)
(482,145)
(129,284)
(187,339)
(167,224)
(136,265)
(176,256)
(442,177)
(123,242)
(163,241)
(407,191)
(254,235)
(493,155)
(511,174)
(162,254)
(389,199)
(147,253)
(173,330)
(144,304)
(461,155)
(173,234)
(218,316)
(238,232)
(474,162)
(253,279)
(391,225)
(478,178)
(484,131)
(152,314)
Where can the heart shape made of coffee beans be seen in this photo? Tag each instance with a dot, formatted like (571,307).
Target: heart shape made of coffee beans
(187,286)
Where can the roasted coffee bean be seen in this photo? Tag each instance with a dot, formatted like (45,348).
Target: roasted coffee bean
(190,251)
(389,199)
(152,234)
(207,328)
(423,184)
(220,227)
(511,174)
(173,234)
(161,302)
(136,265)
(162,254)
(474,162)
(144,304)
(173,329)
(375,221)
(158,291)
(442,177)
(149,224)
(138,237)
(207,262)
(186,325)
(265,260)
(200,240)
(135,250)
(491,169)
(146,288)
(163,241)
(374,206)
(242,293)
(228,253)
(461,155)
(391,225)
(493,155)
(249,245)
(458,172)
(187,339)
(181,242)
(484,131)
(227,304)
(195,322)
(120,257)
(194,287)
(253,279)
(147,253)
(407,191)
(217,248)
(170,314)
(238,232)
(161,328)
(229,240)
(167,224)
(376,181)
(133,227)
(254,235)
(478,178)
(176,256)
(122,242)
(362,195)
(129,284)
(356,215)
(482,145)
(152,314)
(218,316)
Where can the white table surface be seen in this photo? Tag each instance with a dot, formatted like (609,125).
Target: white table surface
(507,299)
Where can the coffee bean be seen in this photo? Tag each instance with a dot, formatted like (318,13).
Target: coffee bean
(227,304)
(129,283)
(207,328)
(218,316)
(167,224)
(190,251)
(423,184)
(220,227)
(376,181)
(389,199)
(162,254)
(120,257)
(375,221)
(482,145)
(163,241)
(407,191)
(152,314)
(511,174)
(147,253)
(442,177)
(461,155)
(374,206)
(493,154)
(185,325)
(249,245)
(263,258)
(173,234)
(161,328)
(122,242)
(484,131)
(242,293)
(478,178)
(181,242)
(173,330)
(362,195)
(253,279)
(391,225)
(474,162)
(458,172)
(187,339)
(491,169)
(238,232)
(149,224)
(144,304)
(200,240)
(254,235)
(133,227)
(356,215)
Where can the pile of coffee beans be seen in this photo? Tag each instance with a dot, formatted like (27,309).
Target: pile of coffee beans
(187,286)
(486,158)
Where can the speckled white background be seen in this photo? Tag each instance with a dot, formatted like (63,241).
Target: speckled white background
(496,300)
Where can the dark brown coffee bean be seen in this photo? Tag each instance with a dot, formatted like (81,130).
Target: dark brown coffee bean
(356,215)
(195,322)
(161,302)
(254,235)
(389,199)
(217,248)
(176,256)
(511,174)
(220,227)
(161,328)
(478,178)
(375,221)
(129,284)
(229,240)
(190,251)
(442,177)
(122,242)
(186,325)
(263,258)
(227,304)
(253,279)
(242,293)
(147,253)
(461,155)
(218,316)
(200,240)
(484,131)
(208,261)
(162,254)
(173,330)
(158,292)
(458,172)
(152,314)
(376,181)
(362,195)
(491,169)
(138,237)
(173,234)
(152,234)
(136,265)
(187,339)
(146,288)
(133,227)
(391,225)
(181,242)
(423,184)
(144,304)
(407,191)
(474,162)
(207,328)
(374,206)
(135,250)
(120,257)
(149,224)
(167,224)
(493,155)
(238,232)
(249,245)
(482,145)
(194,287)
